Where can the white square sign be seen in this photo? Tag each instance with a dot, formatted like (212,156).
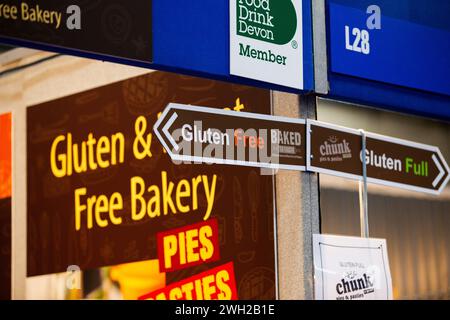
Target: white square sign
(266,41)
(351,268)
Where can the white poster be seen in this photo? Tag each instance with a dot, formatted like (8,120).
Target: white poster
(266,41)
(351,268)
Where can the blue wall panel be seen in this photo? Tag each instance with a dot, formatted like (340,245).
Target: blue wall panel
(408,66)
(192,35)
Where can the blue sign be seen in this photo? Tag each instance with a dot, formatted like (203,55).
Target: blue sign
(194,37)
(398,48)
(190,37)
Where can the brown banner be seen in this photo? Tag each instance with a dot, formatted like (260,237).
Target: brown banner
(102,27)
(138,190)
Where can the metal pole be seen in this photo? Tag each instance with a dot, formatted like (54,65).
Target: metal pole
(363,208)
(310,203)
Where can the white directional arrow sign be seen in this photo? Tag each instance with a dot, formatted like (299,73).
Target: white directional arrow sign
(440,169)
(390,161)
(208,135)
(165,130)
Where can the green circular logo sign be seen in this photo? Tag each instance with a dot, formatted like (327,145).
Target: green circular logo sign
(273,21)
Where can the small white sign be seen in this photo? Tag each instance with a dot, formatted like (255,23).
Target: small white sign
(266,41)
(351,268)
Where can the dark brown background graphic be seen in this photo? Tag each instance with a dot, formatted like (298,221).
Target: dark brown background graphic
(349,165)
(109,27)
(243,201)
